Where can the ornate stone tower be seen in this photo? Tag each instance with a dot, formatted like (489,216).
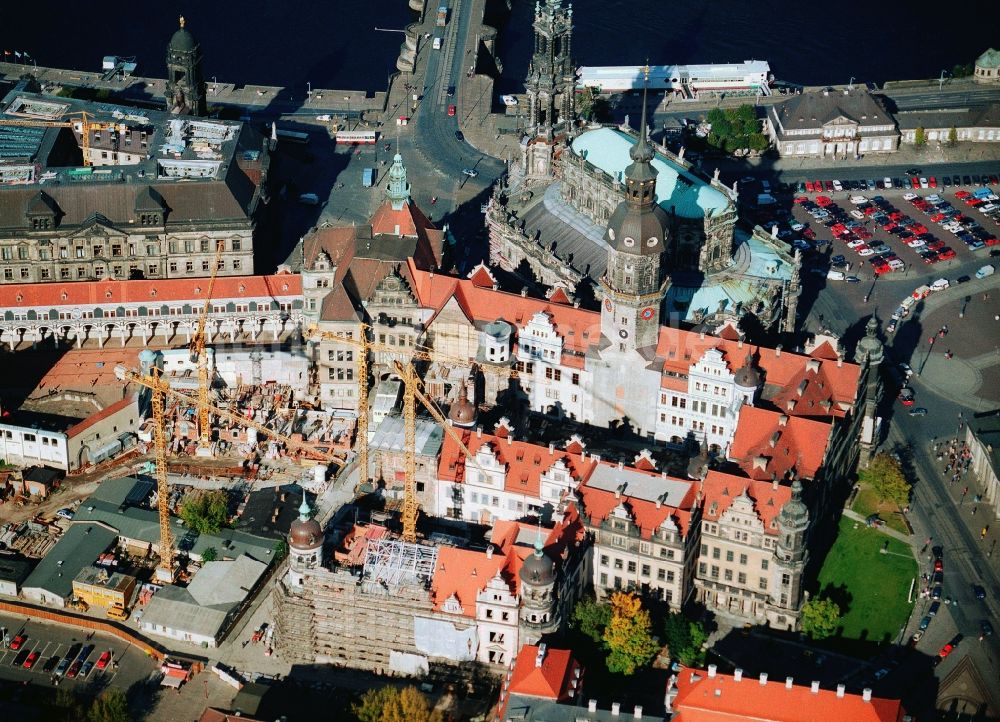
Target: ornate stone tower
(305,546)
(549,86)
(869,355)
(398,190)
(790,555)
(185,91)
(538,596)
(635,284)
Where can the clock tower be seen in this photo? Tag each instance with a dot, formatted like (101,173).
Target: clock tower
(635,282)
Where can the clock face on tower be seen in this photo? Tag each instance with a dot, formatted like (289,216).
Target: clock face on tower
(607,304)
(623,333)
(646,313)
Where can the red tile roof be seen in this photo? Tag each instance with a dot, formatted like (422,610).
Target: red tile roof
(110,293)
(783,443)
(721,698)
(551,680)
(87,369)
(676,349)
(719,490)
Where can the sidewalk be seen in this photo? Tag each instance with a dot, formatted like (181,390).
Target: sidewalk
(905,538)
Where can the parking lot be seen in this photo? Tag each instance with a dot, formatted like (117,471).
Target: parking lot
(68,655)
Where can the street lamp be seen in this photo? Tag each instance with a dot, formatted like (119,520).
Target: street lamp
(347,99)
(850,84)
(941,81)
(309,89)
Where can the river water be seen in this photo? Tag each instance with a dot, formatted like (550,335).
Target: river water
(334,44)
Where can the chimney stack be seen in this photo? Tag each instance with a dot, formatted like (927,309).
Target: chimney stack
(712,669)
(841,689)
(737,674)
(815,688)
(592,706)
(788,682)
(615,709)
(763,678)
(866,694)
(637,714)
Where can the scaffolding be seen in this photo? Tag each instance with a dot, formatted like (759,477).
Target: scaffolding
(390,564)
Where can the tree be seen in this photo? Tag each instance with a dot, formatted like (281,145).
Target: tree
(963,71)
(820,618)
(585,103)
(205,512)
(210,554)
(110,706)
(627,636)
(592,618)
(919,136)
(392,704)
(685,639)
(68,706)
(885,477)
(952,135)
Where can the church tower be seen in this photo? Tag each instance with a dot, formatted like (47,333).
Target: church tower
(538,596)
(635,283)
(398,189)
(185,91)
(305,546)
(790,555)
(550,86)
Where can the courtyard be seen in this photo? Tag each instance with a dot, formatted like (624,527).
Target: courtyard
(871,587)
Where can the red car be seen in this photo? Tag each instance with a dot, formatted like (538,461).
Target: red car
(102,662)
(962,194)
(938,565)
(30,661)
(918,228)
(74,669)
(818,185)
(451,110)
(992,241)
(889,226)
(823,201)
(946,650)
(896,215)
(974,202)
(935,245)
(801,199)
(828,185)
(946,254)
(915,182)
(809,187)
(906,396)
(809,233)
(931,258)
(932,182)
(18,642)
(937,217)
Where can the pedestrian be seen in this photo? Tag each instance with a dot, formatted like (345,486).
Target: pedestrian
(974,510)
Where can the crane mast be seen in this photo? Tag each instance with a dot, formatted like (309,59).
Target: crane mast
(200,354)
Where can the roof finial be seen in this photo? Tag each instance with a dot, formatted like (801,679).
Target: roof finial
(305,511)
(182,21)
(642,152)
(539,544)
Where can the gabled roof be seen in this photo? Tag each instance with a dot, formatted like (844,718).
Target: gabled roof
(104,413)
(653,499)
(547,675)
(769,444)
(719,489)
(524,462)
(814,110)
(720,698)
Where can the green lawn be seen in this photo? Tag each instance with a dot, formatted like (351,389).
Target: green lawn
(873,586)
(867,503)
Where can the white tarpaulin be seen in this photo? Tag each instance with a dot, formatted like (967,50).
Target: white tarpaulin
(438,638)
(413,665)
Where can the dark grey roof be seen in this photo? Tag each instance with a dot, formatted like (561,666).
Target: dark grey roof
(813,110)
(590,253)
(984,117)
(522,708)
(14,568)
(76,549)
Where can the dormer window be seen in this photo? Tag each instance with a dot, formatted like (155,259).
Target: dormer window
(149,219)
(41,223)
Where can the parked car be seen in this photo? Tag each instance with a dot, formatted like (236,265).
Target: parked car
(18,641)
(31,659)
(65,513)
(63,666)
(103,660)
(985,629)
(451,110)
(933,609)
(978,591)
(906,396)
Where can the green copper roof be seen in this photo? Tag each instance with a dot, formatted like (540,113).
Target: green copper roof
(989,59)
(608,149)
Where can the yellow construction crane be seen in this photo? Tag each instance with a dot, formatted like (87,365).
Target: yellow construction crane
(411,393)
(199,354)
(160,389)
(86,126)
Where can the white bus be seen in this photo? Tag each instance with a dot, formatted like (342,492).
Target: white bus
(357,137)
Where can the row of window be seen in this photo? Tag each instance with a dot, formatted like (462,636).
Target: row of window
(667,575)
(114,250)
(730,556)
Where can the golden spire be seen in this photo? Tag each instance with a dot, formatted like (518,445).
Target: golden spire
(645,70)
(182,21)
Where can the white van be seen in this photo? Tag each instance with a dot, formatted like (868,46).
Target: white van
(940,284)
(858,200)
(985,271)
(835,275)
(437,43)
